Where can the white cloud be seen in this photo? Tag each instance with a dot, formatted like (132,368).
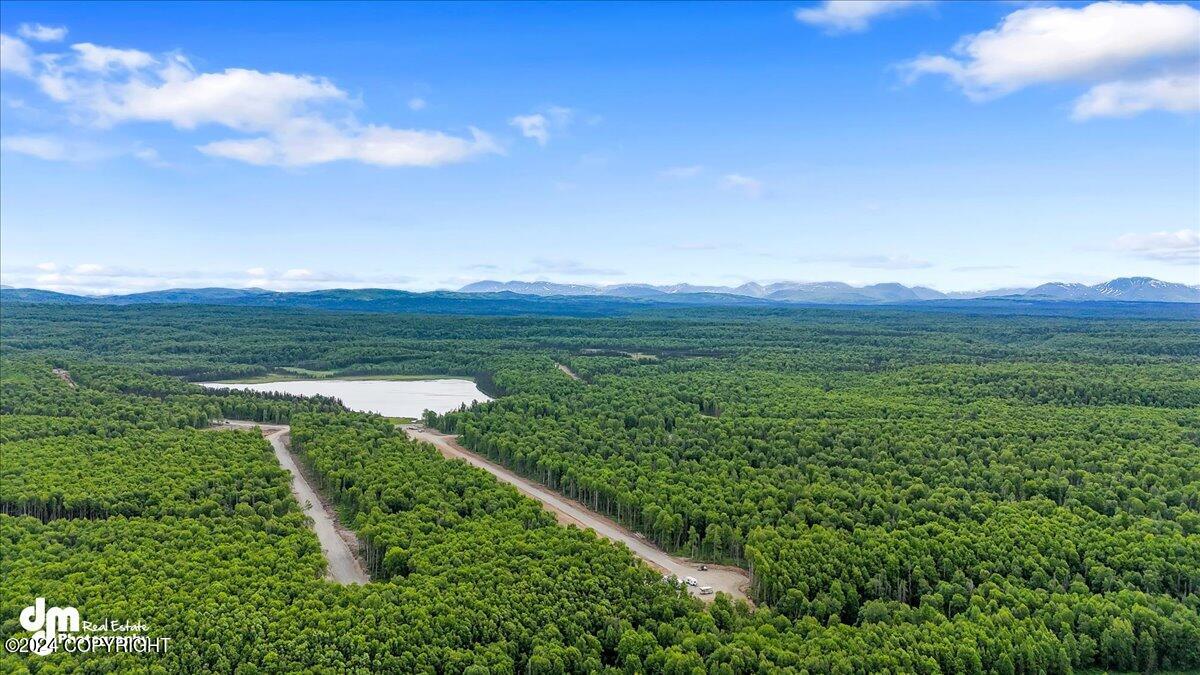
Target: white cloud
(532,126)
(151,157)
(567,267)
(1135,52)
(308,141)
(850,16)
(1181,247)
(538,125)
(39,33)
(237,98)
(295,119)
(104,59)
(888,262)
(94,279)
(15,55)
(751,187)
(42,147)
(53,148)
(257,272)
(417,103)
(682,171)
(1174,93)
(874,262)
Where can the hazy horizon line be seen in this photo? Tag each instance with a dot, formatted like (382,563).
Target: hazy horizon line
(299,286)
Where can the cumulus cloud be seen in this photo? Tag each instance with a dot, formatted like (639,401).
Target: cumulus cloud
(39,33)
(746,185)
(1181,247)
(1141,56)
(851,16)
(106,59)
(15,55)
(532,126)
(1174,93)
(539,125)
(292,119)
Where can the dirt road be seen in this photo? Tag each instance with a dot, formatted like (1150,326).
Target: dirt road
(722,579)
(343,567)
(570,373)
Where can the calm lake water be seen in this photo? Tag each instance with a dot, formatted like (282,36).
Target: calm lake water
(394,398)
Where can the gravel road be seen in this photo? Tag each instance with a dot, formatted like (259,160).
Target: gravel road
(343,567)
(724,579)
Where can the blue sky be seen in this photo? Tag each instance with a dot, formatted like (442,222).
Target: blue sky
(954,145)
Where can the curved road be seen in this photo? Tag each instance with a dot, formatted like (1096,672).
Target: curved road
(343,566)
(731,580)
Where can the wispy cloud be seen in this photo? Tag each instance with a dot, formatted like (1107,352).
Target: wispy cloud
(697,246)
(417,103)
(540,125)
(746,185)
(284,119)
(54,148)
(98,279)
(983,268)
(888,262)
(39,33)
(873,261)
(851,16)
(1139,57)
(1181,247)
(567,267)
(679,172)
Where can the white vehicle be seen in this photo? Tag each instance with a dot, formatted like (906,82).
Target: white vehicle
(706,590)
(691,581)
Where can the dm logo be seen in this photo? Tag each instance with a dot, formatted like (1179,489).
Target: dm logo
(47,624)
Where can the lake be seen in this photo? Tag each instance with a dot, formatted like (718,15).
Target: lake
(393,398)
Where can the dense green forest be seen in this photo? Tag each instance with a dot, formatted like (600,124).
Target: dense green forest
(912,491)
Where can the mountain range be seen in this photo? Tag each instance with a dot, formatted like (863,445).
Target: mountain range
(1137,289)
(545,298)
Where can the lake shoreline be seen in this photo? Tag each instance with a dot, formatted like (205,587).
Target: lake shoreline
(302,376)
(406,398)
